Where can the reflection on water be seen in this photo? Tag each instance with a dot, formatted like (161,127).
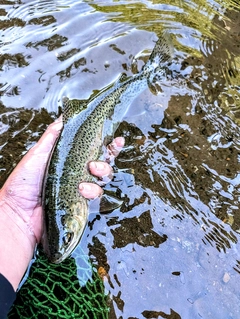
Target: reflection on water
(172,249)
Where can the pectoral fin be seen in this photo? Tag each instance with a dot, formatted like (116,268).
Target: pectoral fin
(105,204)
(109,202)
(71,107)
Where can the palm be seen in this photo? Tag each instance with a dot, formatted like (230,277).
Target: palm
(22,190)
(21,195)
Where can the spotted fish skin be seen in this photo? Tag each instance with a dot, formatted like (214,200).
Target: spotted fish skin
(66,211)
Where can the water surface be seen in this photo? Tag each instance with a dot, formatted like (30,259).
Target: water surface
(172,249)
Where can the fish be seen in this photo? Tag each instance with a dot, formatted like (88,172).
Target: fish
(81,140)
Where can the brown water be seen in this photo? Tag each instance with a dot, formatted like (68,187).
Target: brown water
(172,250)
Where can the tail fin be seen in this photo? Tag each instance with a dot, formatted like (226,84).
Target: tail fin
(162,53)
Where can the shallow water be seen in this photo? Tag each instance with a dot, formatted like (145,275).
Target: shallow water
(172,249)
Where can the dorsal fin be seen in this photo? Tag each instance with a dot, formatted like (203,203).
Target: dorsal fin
(72,107)
(123,77)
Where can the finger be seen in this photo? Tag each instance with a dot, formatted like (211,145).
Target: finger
(48,139)
(100,169)
(90,190)
(115,147)
(103,170)
(25,182)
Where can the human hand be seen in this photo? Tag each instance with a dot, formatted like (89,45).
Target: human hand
(21,218)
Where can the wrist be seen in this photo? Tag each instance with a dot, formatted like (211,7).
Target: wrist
(17,243)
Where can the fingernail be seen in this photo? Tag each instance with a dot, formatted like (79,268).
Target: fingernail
(119,141)
(58,126)
(59,119)
(85,186)
(99,166)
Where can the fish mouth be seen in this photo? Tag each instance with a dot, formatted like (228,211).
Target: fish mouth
(57,258)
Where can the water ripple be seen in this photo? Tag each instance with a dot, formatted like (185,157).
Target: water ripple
(176,236)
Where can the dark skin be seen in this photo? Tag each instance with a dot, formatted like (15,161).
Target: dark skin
(21,217)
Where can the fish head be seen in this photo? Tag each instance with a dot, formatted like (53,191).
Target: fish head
(69,229)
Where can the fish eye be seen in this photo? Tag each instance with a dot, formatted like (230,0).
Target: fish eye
(67,238)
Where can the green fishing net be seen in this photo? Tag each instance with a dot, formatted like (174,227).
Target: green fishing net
(72,289)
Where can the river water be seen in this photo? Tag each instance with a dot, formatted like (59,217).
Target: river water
(172,249)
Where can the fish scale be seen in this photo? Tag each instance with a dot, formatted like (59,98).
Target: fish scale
(66,211)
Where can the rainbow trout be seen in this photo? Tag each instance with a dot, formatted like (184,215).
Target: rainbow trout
(66,211)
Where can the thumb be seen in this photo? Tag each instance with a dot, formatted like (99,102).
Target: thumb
(26,179)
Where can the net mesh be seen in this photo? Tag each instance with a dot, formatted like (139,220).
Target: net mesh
(71,289)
